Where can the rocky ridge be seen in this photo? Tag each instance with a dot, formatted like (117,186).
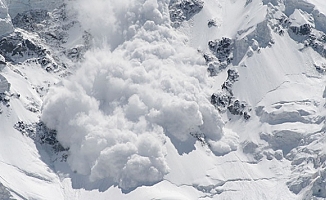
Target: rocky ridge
(305,25)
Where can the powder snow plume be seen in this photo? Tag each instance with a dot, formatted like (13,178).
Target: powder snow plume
(142,87)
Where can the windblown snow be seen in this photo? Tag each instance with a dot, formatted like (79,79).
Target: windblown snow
(162,99)
(116,112)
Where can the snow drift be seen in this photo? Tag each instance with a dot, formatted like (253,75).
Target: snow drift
(141,88)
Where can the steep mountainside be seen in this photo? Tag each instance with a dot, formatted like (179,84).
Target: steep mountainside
(163,99)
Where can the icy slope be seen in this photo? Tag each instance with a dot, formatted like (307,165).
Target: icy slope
(163,100)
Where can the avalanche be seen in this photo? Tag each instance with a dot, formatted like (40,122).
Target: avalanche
(160,99)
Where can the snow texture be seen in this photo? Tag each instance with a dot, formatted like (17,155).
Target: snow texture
(131,111)
(116,112)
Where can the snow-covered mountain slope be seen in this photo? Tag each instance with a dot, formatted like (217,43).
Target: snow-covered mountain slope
(160,99)
(20,6)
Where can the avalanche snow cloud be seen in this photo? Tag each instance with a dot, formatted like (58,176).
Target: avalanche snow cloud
(142,87)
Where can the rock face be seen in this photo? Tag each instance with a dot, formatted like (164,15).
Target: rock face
(221,49)
(304,29)
(6,26)
(4,85)
(225,100)
(220,55)
(28,19)
(2,62)
(20,6)
(16,48)
(48,39)
(4,193)
(181,10)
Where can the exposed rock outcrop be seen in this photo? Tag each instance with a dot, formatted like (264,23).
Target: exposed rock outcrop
(183,10)
(224,100)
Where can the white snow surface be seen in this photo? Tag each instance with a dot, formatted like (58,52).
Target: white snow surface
(122,104)
(130,111)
